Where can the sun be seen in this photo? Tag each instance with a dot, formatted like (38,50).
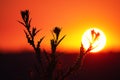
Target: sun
(94,37)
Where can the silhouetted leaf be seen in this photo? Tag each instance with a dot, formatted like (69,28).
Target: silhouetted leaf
(21,23)
(37,31)
(61,39)
(30,21)
(38,44)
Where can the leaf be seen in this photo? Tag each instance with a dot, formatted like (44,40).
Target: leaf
(30,21)
(21,23)
(28,38)
(34,32)
(61,39)
(37,31)
(38,44)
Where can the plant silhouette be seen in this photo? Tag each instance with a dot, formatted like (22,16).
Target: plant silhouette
(46,68)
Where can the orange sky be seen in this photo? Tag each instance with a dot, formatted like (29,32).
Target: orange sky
(74,16)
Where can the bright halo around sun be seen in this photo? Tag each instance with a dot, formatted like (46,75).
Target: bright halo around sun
(89,38)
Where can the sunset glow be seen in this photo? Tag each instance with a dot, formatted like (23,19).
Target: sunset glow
(73,16)
(59,39)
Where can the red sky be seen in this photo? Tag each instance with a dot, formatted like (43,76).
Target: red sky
(74,16)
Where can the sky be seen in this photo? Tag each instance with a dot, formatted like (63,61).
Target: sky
(73,16)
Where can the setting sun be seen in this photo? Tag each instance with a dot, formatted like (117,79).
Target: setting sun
(94,37)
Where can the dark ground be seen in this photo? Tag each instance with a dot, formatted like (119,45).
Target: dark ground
(102,66)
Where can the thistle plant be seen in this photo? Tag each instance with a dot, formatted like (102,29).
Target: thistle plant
(54,56)
(47,62)
(55,41)
(30,33)
(78,63)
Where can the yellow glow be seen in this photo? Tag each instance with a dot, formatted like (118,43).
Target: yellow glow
(98,44)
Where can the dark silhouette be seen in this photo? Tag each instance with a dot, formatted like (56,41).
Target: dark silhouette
(101,66)
(48,65)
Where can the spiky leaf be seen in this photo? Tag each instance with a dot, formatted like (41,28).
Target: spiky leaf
(61,39)
(39,42)
(21,23)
